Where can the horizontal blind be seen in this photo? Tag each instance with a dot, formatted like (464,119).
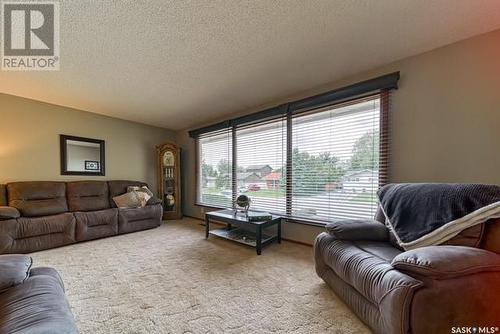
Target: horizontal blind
(260,167)
(384,144)
(335,161)
(215,169)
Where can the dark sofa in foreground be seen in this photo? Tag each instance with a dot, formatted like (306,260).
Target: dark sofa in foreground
(425,290)
(32,300)
(41,214)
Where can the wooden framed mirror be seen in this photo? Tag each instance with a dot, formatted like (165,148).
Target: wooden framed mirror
(82,156)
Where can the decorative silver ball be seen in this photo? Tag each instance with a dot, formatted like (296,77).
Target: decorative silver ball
(243,201)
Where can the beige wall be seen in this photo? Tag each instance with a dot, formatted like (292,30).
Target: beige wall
(29,142)
(445,122)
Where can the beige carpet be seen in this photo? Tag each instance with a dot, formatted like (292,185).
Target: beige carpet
(171,280)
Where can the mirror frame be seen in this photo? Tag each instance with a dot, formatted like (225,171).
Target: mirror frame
(64,155)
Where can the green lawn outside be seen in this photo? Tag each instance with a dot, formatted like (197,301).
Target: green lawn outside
(211,191)
(266,193)
(260,193)
(365,197)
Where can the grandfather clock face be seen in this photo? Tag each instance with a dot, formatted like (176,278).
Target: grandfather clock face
(168,159)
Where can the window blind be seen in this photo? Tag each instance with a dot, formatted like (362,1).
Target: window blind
(314,160)
(261,161)
(215,169)
(335,161)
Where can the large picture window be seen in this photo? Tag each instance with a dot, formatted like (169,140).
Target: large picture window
(261,163)
(335,161)
(215,169)
(308,162)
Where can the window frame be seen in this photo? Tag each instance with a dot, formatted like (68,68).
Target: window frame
(372,88)
(197,172)
(383,129)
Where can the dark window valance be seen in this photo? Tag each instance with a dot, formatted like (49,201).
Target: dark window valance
(382,83)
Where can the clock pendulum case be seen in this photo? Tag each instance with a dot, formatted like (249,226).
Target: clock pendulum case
(169,180)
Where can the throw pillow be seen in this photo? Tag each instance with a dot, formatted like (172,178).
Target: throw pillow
(128,200)
(144,197)
(141,189)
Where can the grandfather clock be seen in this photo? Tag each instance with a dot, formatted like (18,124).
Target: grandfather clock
(169,179)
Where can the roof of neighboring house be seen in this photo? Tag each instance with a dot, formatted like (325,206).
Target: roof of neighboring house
(257,167)
(244,175)
(274,176)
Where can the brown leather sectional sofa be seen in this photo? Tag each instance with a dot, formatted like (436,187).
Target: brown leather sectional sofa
(32,300)
(40,215)
(425,290)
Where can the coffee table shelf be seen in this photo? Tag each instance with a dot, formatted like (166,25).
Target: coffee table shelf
(240,229)
(241,235)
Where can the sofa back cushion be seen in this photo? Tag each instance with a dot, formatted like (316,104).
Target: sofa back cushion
(3,195)
(117,188)
(470,237)
(38,198)
(87,195)
(379,216)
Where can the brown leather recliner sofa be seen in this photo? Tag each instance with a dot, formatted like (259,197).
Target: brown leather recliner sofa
(434,289)
(40,214)
(32,300)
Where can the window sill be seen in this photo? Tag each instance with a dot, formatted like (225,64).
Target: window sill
(288,219)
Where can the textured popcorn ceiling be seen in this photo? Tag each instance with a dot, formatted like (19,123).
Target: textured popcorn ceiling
(177,64)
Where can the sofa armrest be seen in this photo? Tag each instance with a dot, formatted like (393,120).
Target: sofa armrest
(14,270)
(442,262)
(153,201)
(8,212)
(352,229)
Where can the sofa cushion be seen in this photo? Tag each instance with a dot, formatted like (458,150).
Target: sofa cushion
(358,229)
(441,262)
(130,220)
(87,195)
(37,306)
(96,224)
(470,237)
(14,270)
(382,250)
(119,187)
(366,267)
(39,198)
(30,234)
(47,271)
(8,212)
(3,195)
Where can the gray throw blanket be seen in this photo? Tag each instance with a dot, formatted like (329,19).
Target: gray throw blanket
(425,214)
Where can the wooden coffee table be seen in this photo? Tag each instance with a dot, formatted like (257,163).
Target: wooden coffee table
(240,229)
